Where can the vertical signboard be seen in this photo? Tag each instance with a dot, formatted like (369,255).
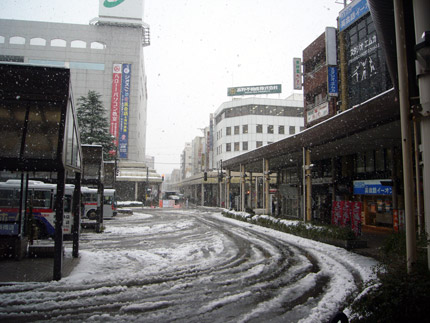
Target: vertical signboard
(124,110)
(115,102)
(333,89)
(297,65)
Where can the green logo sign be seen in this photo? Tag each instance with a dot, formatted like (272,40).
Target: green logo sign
(111,4)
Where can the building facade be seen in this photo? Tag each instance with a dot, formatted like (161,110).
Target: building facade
(247,124)
(97,55)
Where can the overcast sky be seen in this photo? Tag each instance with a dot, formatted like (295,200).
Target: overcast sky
(198,49)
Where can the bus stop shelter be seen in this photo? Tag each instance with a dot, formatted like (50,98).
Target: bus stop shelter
(40,134)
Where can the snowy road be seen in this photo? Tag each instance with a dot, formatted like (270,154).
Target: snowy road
(192,266)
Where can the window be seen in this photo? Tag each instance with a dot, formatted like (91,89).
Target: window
(292,130)
(58,43)
(380,160)
(17,40)
(245,128)
(281,130)
(259,144)
(97,45)
(236,146)
(78,44)
(259,128)
(236,130)
(38,42)
(228,147)
(245,145)
(228,131)
(270,129)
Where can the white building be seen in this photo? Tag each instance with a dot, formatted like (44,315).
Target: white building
(242,125)
(186,161)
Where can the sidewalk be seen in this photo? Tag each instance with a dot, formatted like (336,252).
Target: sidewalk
(33,269)
(375,237)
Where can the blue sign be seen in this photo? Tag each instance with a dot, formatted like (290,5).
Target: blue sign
(371,187)
(124,111)
(352,13)
(333,89)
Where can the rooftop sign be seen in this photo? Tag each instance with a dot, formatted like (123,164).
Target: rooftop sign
(255,89)
(114,9)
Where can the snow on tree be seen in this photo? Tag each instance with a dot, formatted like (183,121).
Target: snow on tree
(93,124)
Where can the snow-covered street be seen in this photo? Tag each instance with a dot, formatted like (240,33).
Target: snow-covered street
(192,266)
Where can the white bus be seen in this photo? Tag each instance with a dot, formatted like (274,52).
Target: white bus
(89,201)
(40,206)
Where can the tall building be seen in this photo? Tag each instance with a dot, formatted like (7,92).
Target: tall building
(105,56)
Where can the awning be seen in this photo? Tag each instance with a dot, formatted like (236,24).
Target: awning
(371,125)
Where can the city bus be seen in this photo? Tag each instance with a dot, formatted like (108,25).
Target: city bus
(89,201)
(40,208)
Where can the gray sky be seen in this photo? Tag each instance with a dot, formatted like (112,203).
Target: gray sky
(198,49)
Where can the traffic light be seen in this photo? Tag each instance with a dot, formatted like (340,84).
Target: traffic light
(162,178)
(205,176)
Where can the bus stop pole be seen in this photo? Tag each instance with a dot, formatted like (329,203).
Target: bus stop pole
(76,215)
(59,213)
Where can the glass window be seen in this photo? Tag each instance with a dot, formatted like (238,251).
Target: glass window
(370,162)
(78,44)
(236,146)
(17,40)
(236,130)
(380,160)
(360,163)
(58,43)
(259,144)
(270,129)
(292,130)
(245,145)
(259,128)
(38,42)
(228,131)
(228,147)
(281,130)
(245,128)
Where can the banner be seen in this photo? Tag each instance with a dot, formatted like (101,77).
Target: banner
(347,213)
(115,102)
(124,111)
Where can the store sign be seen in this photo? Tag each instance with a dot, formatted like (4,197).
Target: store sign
(317,112)
(372,187)
(333,89)
(124,111)
(297,66)
(253,90)
(352,13)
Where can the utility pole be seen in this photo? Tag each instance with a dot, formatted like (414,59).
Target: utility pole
(422,38)
(408,183)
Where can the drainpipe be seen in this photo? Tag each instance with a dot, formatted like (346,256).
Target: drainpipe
(408,183)
(308,186)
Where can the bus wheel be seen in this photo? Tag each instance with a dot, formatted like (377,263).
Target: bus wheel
(92,214)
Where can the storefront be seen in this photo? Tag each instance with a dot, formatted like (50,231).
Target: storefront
(377,201)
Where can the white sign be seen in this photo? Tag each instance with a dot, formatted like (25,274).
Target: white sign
(317,112)
(131,9)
